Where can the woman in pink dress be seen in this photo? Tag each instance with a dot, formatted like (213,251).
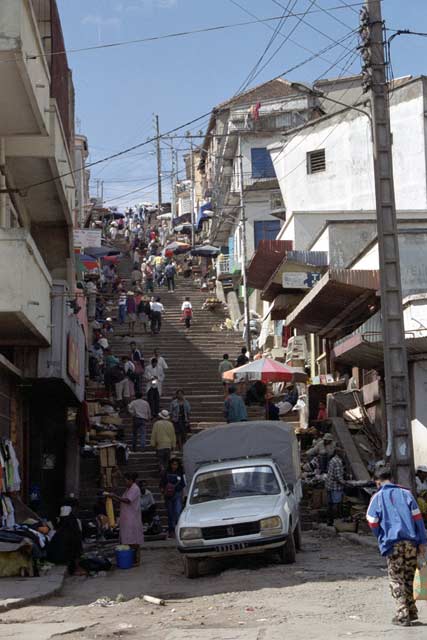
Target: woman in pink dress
(131,529)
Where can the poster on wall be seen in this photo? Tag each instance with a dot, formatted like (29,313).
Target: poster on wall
(300,279)
(87,238)
(73,360)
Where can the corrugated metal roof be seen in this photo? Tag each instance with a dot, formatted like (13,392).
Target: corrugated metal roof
(341,301)
(266,259)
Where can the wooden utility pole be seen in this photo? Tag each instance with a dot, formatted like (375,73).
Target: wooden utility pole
(159,166)
(243,244)
(399,447)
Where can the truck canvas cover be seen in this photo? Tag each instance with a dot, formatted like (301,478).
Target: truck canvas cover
(245,439)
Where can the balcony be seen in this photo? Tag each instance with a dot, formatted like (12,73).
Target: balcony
(33,159)
(25,287)
(61,367)
(24,73)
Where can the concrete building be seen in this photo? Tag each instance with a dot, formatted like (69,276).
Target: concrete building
(325,172)
(256,118)
(81,177)
(41,338)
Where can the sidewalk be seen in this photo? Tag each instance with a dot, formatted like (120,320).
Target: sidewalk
(21,592)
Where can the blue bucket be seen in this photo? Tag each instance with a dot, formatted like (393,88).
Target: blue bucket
(125,559)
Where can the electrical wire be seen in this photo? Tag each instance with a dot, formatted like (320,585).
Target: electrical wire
(111,45)
(316,29)
(276,32)
(115,155)
(331,15)
(294,28)
(294,42)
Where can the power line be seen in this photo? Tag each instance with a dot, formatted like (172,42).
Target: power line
(295,42)
(295,27)
(276,32)
(115,155)
(331,15)
(111,45)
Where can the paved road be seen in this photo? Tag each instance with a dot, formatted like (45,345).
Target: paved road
(335,590)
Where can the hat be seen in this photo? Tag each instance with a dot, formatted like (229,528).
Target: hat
(422,467)
(129,293)
(328,436)
(164,414)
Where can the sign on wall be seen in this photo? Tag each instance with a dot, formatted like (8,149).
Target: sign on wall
(87,238)
(300,279)
(73,360)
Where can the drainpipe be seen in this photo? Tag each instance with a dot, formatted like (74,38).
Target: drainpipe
(3,196)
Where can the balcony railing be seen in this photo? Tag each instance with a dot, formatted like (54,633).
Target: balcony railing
(27,78)
(25,288)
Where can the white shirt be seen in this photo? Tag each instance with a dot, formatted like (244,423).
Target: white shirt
(421,486)
(186,305)
(157,306)
(129,366)
(161,362)
(140,409)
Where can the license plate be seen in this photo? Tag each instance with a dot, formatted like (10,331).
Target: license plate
(234,546)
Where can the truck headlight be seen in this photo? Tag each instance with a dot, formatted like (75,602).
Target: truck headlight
(190,533)
(275,522)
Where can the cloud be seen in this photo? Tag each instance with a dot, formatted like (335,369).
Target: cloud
(99,21)
(137,6)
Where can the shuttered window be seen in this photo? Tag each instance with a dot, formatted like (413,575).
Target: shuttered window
(316,161)
(262,165)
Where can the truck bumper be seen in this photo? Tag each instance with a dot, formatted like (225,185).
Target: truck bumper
(223,549)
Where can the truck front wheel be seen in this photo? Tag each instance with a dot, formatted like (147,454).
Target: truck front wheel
(287,553)
(191,567)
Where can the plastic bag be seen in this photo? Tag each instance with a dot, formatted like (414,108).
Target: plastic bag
(420,582)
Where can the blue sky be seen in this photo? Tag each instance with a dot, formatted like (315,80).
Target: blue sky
(119,89)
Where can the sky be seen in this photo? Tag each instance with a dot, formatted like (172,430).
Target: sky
(119,89)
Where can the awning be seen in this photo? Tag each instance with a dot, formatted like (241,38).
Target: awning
(366,350)
(340,302)
(266,259)
(294,261)
(205,213)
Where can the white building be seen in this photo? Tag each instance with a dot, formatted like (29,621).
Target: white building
(325,171)
(256,118)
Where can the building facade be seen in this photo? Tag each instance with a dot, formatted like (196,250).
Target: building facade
(41,339)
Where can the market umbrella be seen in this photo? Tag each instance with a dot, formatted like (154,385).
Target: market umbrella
(118,214)
(183,228)
(266,370)
(87,261)
(206,250)
(177,247)
(101,252)
(113,259)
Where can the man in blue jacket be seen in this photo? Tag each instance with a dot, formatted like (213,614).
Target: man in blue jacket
(395,519)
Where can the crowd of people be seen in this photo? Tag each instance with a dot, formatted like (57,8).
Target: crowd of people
(133,382)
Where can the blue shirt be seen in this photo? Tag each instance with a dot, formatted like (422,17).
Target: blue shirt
(235,409)
(393,516)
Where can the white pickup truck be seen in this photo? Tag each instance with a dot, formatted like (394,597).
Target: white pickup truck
(244,491)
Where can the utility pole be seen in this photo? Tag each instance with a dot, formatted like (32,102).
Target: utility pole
(243,252)
(399,446)
(173,184)
(159,166)
(193,231)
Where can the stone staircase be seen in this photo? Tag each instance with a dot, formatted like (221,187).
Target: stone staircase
(192,357)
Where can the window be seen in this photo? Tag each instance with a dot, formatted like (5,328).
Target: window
(265,230)
(276,201)
(262,165)
(316,161)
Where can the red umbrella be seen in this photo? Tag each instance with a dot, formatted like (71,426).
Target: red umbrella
(113,259)
(266,370)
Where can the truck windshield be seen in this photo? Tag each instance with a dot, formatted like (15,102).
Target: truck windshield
(234,483)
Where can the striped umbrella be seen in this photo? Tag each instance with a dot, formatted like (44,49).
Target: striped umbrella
(266,370)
